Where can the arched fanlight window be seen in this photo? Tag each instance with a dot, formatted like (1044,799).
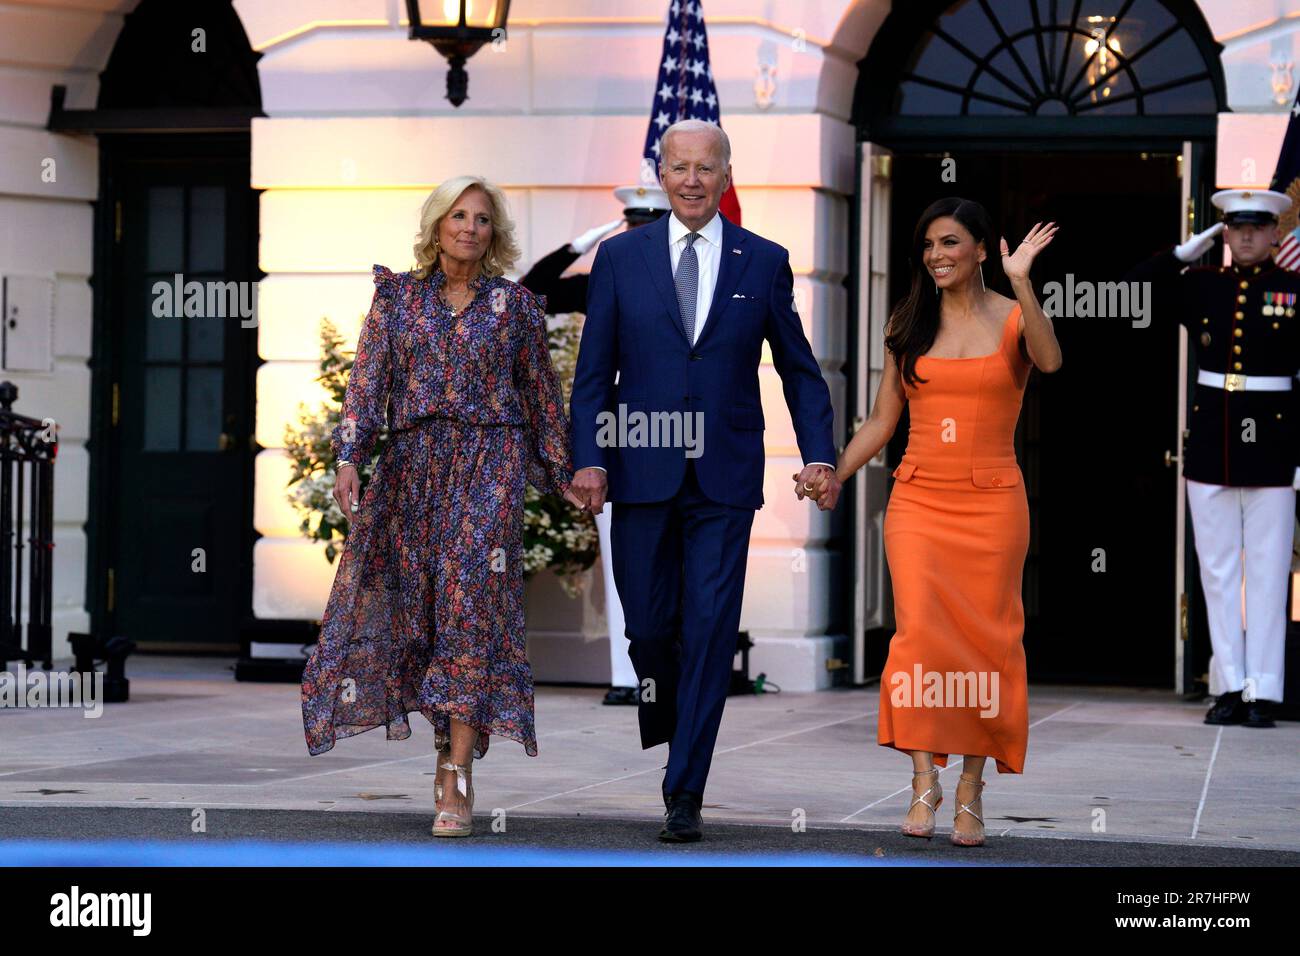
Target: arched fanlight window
(1008,58)
(194,54)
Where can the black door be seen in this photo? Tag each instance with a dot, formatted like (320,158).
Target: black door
(179,413)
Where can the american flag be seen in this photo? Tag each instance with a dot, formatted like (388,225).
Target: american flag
(685,90)
(1286,179)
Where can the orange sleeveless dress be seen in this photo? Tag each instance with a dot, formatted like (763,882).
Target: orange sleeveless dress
(956,535)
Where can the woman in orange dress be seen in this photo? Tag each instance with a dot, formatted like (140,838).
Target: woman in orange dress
(957,523)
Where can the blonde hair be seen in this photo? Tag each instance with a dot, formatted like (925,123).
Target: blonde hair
(502,251)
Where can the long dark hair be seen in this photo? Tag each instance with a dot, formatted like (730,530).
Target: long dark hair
(914,323)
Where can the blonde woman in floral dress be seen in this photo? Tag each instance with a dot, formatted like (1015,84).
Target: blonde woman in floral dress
(426,610)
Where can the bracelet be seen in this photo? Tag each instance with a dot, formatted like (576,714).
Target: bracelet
(339,464)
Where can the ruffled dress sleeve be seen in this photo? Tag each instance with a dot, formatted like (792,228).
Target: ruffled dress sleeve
(550,462)
(366,399)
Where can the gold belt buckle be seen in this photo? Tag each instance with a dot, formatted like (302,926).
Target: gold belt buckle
(1234,382)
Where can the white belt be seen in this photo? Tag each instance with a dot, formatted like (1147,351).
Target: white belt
(1233,382)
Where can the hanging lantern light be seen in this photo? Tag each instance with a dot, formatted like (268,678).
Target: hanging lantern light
(457,29)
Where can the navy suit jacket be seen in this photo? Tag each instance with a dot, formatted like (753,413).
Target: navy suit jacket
(634,327)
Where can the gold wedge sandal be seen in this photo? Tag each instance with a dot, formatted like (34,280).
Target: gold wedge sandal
(464,822)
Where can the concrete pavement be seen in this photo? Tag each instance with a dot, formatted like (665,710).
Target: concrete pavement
(1112,776)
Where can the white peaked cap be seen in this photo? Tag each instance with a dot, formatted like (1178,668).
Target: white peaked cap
(642,197)
(1234,202)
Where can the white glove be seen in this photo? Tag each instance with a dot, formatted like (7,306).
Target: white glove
(592,236)
(1198,245)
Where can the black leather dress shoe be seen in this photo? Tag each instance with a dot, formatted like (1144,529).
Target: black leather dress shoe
(1259,713)
(1228,709)
(622,695)
(682,822)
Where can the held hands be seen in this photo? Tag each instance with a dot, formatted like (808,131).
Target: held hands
(818,483)
(1198,245)
(588,490)
(1017,266)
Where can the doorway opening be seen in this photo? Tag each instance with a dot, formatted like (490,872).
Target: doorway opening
(170,529)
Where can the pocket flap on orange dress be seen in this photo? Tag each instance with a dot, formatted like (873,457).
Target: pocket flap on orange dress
(904,471)
(998,476)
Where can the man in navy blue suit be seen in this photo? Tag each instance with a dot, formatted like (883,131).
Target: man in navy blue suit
(667,424)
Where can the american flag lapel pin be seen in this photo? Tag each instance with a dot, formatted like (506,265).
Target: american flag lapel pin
(736,251)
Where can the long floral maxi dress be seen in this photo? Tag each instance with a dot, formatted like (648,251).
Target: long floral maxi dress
(426,610)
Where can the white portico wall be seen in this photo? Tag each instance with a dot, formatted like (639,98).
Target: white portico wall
(47,184)
(358,133)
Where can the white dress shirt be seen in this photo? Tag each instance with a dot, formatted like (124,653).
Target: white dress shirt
(708,253)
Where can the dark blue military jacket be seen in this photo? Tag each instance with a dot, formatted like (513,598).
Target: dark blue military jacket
(1242,321)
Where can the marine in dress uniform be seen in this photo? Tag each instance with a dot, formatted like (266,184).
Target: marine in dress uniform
(1240,458)
(641,205)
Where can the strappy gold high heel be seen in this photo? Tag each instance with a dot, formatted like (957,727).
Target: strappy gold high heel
(463,822)
(962,839)
(927,830)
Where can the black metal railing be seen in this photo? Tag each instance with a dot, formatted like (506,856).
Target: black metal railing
(28,447)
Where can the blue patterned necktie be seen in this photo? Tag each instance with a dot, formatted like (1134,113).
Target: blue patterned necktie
(687,278)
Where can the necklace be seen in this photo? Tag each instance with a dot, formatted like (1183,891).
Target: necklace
(456,309)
